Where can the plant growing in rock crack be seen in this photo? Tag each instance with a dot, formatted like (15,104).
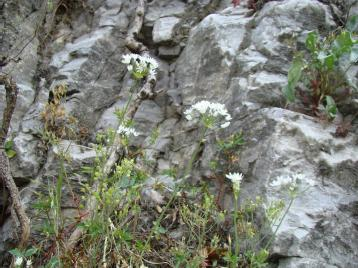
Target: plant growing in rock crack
(318,75)
(57,123)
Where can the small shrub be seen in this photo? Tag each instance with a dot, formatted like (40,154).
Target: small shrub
(317,74)
(57,123)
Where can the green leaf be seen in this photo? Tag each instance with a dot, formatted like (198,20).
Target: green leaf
(352,23)
(30,252)
(331,107)
(343,43)
(354,54)
(311,41)
(326,60)
(161,230)
(17,253)
(329,62)
(54,262)
(9,145)
(294,75)
(10,153)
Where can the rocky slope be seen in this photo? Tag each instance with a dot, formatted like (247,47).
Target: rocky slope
(207,50)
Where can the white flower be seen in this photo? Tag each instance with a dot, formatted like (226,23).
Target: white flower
(292,181)
(28,263)
(18,261)
(281,181)
(140,66)
(152,62)
(236,179)
(216,111)
(126,131)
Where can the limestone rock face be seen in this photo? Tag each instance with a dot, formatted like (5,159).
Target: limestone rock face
(286,146)
(164,29)
(207,50)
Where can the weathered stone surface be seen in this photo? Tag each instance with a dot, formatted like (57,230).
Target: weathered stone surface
(230,57)
(169,52)
(205,66)
(28,158)
(321,224)
(149,114)
(163,29)
(159,9)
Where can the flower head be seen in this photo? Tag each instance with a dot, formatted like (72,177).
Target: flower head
(140,66)
(214,114)
(236,179)
(18,261)
(126,131)
(28,263)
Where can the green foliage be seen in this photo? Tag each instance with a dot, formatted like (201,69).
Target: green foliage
(10,152)
(231,142)
(186,227)
(317,73)
(294,75)
(331,108)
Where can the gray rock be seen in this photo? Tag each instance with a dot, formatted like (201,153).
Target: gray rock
(230,57)
(205,66)
(149,114)
(281,144)
(169,52)
(159,9)
(163,29)
(295,262)
(28,158)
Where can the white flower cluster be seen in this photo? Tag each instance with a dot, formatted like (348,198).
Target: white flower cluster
(292,181)
(127,131)
(236,179)
(215,110)
(140,66)
(19,261)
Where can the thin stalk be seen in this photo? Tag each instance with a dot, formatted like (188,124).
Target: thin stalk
(203,231)
(236,208)
(176,189)
(279,224)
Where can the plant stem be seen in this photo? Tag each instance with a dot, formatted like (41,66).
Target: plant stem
(236,209)
(176,189)
(279,224)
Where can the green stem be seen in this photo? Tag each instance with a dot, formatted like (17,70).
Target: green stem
(161,216)
(236,208)
(176,189)
(279,225)
(203,231)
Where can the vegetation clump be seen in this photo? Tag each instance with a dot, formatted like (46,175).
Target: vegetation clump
(181,226)
(317,74)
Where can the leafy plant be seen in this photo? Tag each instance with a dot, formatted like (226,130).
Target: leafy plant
(317,73)
(57,123)
(23,256)
(10,152)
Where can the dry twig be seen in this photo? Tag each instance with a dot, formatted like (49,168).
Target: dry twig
(5,174)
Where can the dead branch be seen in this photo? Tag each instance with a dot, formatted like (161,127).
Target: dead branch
(146,92)
(5,174)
